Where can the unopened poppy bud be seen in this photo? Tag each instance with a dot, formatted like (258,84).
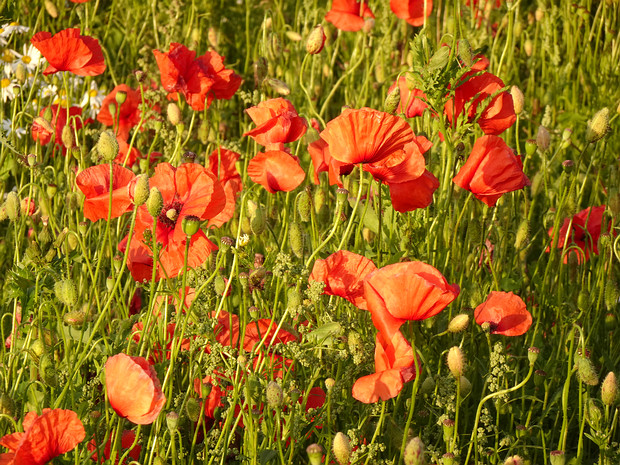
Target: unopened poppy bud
(316,40)
(532,354)
(112,108)
(192,408)
(257,276)
(51,8)
(190,225)
(37,348)
(20,73)
(220,285)
(447,459)
(585,370)
(369,23)
(517,99)
(296,239)
(47,370)
(155,202)
(174,114)
(464,386)
(279,86)
(428,385)
(319,200)
(609,389)
(66,292)
(7,406)
(44,123)
(60,238)
(598,126)
(456,361)
(107,146)
(612,296)
(258,221)
(172,421)
(141,190)
(12,206)
(543,138)
(329,384)
(593,414)
(610,322)
(315,454)
(414,452)
(556,457)
(464,52)
(304,206)
(76,317)
(392,100)
(514,460)
(274,394)
(121,96)
(458,323)
(341,447)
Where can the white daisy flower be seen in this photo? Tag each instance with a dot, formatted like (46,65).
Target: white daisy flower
(7,129)
(7,87)
(9,29)
(31,58)
(48,91)
(8,61)
(93,98)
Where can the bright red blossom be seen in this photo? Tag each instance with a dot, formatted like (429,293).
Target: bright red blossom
(94,182)
(133,389)
(348,15)
(277,123)
(222,166)
(68,50)
(49,435)
(506,313)
(127,116)
(41,132)
(276,171)
(412,11)
(491,170)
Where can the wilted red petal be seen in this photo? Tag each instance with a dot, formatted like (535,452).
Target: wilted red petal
(276,171)
(506,312)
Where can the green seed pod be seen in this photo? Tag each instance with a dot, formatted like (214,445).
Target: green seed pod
(414,452)
(296,239)
(172,421)
(304,206)
(274,395)
(141,191)
(107,146)
(12,206)
(392,100)
(556,457)
(155,202)
(190,225)
(583,300)
(66,292)
(341,447)
(428,385)
(192,408)
(465,386)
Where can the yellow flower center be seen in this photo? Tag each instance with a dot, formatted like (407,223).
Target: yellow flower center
(7,56)
(5,83)
(93,92)
(26,59)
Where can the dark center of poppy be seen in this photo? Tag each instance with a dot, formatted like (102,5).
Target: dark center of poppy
(169,214)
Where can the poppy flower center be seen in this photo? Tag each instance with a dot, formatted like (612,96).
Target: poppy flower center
(169,214)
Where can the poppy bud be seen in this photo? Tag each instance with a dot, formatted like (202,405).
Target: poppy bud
(556,457)
(76,317)
(258,222)
(456,361)
(7,406)
(51,8)
(12,206)
(315,454)
(274,395)
(155,202)
(610,322)
(585,370)
(141,190)
(458,323)
(47,371)
(296,239)
(543,139)
(37,348)
(369,23)
(319,200)
(341,446)
(220,285)
(329,384)
(593,414)
(174,114)
(304,206)
(20,73)
(609,389)
(517,99)
(316,40)
(464,386)
(356,347)
(464,51)
(172,421)
(120,97)
(514,460)
(598,126)
(530,147)
(66,292)
(190,225)
(279,86)
(188,157)
(532,354)
(392,100)
(107,146)
(428,385)
(611,294)
(192,408)
(414,452)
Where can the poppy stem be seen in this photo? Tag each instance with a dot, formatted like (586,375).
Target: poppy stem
(347,232)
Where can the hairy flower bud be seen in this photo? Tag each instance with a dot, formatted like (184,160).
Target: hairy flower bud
(341,446)
(296,239)
(598,126)
(609,389)
(274,394)
(141,190)
(66,292)
(155,202)
(464,52)
(316,40)
(304,206)
(543,138)
(414,452)
(12,206)
(174,114)
(315,454)
(517,99)
(392,100)
(107,146)
(458,323)
(456,361)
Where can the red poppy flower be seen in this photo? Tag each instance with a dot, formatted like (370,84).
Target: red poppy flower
(126,157)
(222,166)
(412,102)
(68,50)
(41,131)
(475,88)
(366,136)
(491,170)
(133,389)
(49,435)
(506,313)
(394,366)
(94,182)
(416,193)
(406,291)
(79,1)
(276,171)
(348,15)
(343,273)
(189,190)
(412,11)
(199,80)
(127,116)
(277,123)
(323,161)
(127,439)
(585,231)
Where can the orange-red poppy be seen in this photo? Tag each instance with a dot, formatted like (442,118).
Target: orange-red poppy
(225,81)
(491,170)
(586,228)
(94,182)
(45,436)
(127,439)
(323,161)
(505,312)
(68,50)
(41,132)
(348,15)
(406,291)
(125,116)
(394,366)
(276,171)
(474,89)
(222,166)
(413,194)
(133,389)
(366,136)
(412,11)
(277,123)
(189,190)
(343,273)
